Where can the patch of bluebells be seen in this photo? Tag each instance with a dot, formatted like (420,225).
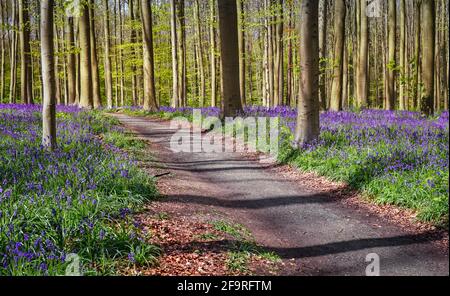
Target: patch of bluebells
(400,157)
(67,201)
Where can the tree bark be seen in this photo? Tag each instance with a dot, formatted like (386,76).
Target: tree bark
(212,36)
(392,15)
(150,103)
(85,60)
(48,76)
(71,66)
(339,41)
(108,68)
(228,19)
(26,88)
(402,94)
(241,40)
(94,59)
(428,44)
(308,105)
(362,61)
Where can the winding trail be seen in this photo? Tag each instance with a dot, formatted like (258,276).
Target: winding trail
(316,234)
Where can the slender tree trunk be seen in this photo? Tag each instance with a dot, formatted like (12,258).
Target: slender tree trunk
(323,52)
(71,67)
(108,68)
(290,66)
(48,76)
(173,26)
(85,60)
(150,103)
(232,104)
(25,53)
(134,52)
(182,92)
(308,106)
(428,44)
(56,63)
(212,36)
(339,29)
(345,88)
(362,62)
(94,59)
(402,98)
(200,56)
(122,67)
(392,14)
(241,40)
(3,45)
(13,56)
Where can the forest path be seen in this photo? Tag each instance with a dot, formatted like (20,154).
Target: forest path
(315,234)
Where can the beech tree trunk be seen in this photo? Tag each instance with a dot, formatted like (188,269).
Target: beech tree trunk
(339,42)
(308,105)
(150,103)
(232,104)
(48,76)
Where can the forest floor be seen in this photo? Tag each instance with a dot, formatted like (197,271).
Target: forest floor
(269,211)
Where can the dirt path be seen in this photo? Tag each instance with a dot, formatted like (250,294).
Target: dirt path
(316,234)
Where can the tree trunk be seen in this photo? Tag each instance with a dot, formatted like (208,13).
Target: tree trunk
(212,36)
(3,45)
(71,66)
(228,19)
(134,90)
(308,105)
(182,92)
(13,56)
(25,54)
(94,59)
(200,55)
(428,44)
(362,61)
(339,42)
(241,40)
(402,94)
(150,103)
(392,15)
(108,68)
(323,53)
(173,27)
(85,60)
(48,76)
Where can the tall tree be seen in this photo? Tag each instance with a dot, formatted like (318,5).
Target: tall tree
(174,43)
(94,59)
(212,36)
(402,93)
(392,16)
(48,76)
(13,54)
(26,89)
(150,102)
(3,45)
(323,52)
(428,44)
(86,100)
(182,92)
(308,105)
(199,48)
(241,41)
(363,53)
(108,67)
(339,43)
(71,62)
(228,28)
